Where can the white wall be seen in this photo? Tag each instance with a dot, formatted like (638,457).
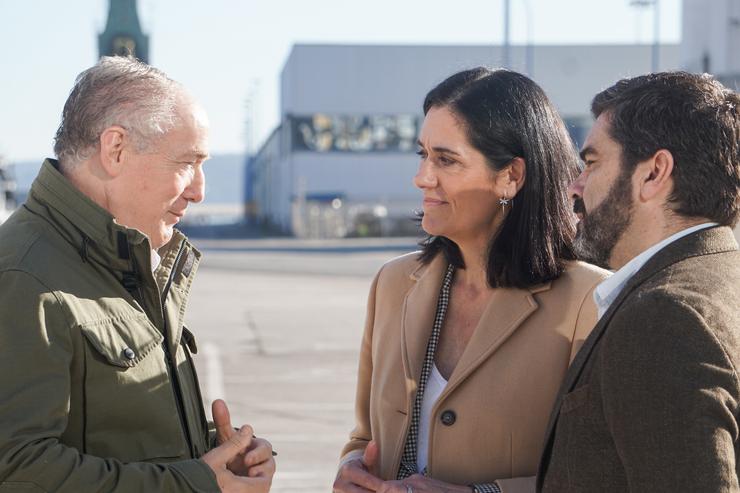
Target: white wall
(357,79)
(380,176)
(711,27)
(378,80)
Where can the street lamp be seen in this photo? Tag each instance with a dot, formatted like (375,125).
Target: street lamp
(656,28)
(507,38)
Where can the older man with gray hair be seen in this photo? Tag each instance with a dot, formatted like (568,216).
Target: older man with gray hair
(98,391)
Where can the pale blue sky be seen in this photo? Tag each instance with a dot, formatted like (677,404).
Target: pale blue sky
(225,50)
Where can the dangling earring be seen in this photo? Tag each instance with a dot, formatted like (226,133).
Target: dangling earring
(504,202)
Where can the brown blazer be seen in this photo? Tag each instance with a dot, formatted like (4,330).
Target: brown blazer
(503,387)
(651,402)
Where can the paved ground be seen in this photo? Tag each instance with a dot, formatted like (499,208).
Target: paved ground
(278,332)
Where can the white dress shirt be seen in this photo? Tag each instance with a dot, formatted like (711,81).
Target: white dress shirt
(606,292)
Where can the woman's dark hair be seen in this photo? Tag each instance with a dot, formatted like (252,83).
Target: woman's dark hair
(505,116)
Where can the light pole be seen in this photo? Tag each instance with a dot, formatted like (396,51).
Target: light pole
(655,63)
(507,40)
(530,43)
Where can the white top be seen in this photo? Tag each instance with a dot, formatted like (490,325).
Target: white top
(435,385)
(606,292)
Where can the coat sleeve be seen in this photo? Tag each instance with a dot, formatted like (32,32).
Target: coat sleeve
(36,352)
(585,320)
(361,434)
(670,394)
(588,315)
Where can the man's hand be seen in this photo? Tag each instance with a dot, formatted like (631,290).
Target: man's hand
(358,476)
(234,448)
(256,460)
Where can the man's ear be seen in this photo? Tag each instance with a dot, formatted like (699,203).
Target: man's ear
(112,143)
(511,179)
(655,176)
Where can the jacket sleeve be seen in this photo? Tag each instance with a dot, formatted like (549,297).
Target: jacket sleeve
(670,394)
(361,434)
(36,352)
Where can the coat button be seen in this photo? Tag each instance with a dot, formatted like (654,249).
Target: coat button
(129,353)
(448,418)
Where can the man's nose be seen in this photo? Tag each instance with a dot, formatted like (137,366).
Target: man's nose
(575,189)
(195,192)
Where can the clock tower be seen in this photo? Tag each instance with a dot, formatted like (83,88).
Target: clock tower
(123,35)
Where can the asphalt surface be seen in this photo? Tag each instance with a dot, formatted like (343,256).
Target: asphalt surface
(278,331)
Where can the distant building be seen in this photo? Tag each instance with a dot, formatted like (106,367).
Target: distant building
(710,39)
(7,191)
(342,160)
(710,42)
(123,35)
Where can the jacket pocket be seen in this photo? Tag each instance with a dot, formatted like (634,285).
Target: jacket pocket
(123,342)
(574,399)
(130,412)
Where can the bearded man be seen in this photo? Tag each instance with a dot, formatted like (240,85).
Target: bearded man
(652,400)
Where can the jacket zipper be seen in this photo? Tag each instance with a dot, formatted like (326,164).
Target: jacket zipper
(171,366)
(169,363)
(203,419)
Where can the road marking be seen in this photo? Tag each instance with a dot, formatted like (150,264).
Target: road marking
(333,438)
(214,388)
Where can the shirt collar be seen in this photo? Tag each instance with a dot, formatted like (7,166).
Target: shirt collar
(606,292)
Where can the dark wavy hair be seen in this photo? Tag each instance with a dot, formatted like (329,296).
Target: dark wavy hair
(506,115)
(697,119)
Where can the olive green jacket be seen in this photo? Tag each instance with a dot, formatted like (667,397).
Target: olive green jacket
(98,391)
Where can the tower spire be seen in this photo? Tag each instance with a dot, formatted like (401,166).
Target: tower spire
(123,35)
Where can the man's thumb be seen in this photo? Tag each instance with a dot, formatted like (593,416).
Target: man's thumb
(222,420)
(236,444)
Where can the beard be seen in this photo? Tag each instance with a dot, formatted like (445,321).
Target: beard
(599,230)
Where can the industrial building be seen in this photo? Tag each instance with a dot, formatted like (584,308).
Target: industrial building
(342,160)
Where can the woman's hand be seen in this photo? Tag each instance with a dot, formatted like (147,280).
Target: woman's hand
(422,484)
(357,476)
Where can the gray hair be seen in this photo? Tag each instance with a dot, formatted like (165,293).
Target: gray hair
(116,91)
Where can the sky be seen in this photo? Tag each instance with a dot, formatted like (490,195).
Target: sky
(229,53)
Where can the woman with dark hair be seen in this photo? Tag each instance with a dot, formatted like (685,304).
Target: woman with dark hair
(466,343)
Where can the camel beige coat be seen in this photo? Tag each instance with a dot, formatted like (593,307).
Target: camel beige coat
(502,389)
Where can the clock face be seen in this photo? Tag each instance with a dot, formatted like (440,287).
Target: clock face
(124,46)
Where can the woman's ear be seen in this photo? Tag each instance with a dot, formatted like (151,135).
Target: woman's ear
(511,179)
(112,142)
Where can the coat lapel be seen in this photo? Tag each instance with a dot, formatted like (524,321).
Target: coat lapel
(703,242)
(419,309)
(579,363)
(707,241)
(506,310)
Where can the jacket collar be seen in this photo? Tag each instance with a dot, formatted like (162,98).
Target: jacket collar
(703,242)
(94,232)
(506,311)
(91,229)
